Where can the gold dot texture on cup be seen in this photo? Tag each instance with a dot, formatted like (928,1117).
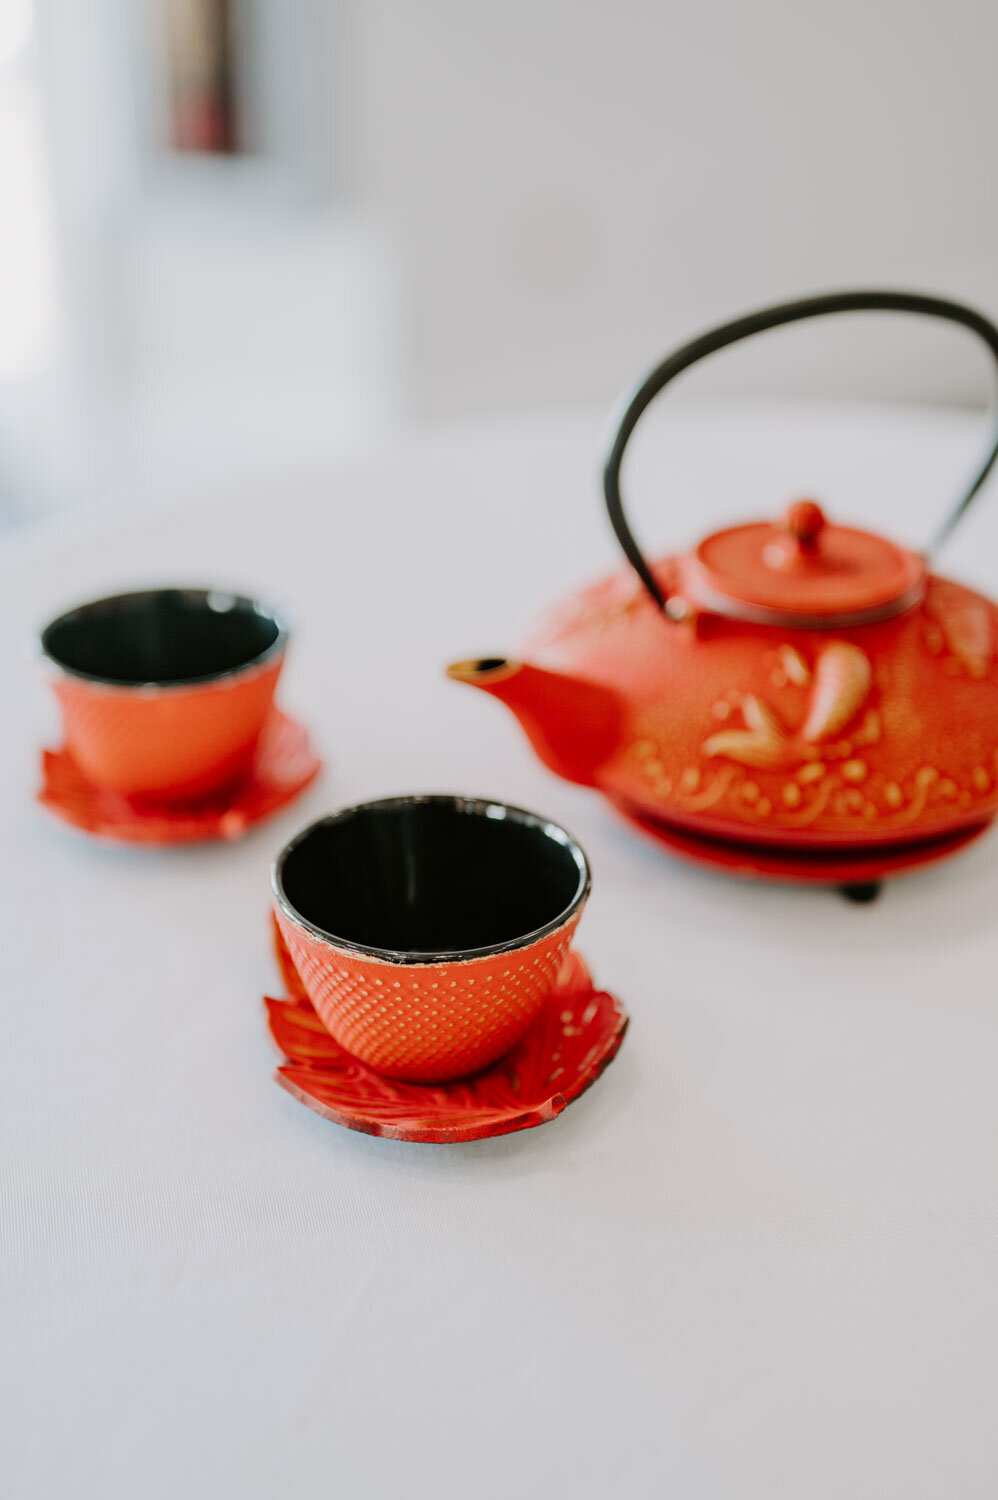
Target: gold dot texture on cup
(394,1025)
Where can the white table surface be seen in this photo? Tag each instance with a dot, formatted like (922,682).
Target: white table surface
(757,1259)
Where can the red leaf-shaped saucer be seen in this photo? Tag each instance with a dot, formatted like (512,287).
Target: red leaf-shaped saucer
(284,765)
(576,1036)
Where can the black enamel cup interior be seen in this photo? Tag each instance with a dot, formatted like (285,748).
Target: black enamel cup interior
(162,637)
(414,879)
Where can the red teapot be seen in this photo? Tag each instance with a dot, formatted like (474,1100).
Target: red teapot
(795,698)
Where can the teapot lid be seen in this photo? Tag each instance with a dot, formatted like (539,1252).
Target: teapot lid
(805,571)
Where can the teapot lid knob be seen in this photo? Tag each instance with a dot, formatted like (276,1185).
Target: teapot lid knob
(805,521)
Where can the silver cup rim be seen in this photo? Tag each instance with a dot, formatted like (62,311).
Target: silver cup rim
(227,598)
(490,807)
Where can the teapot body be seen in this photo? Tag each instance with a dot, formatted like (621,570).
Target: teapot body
(852,737)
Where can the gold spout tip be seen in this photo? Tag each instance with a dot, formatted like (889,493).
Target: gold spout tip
(483,669)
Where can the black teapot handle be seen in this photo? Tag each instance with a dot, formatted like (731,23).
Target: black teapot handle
(636,402)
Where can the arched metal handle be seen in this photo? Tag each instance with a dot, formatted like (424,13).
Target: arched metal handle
(635,403)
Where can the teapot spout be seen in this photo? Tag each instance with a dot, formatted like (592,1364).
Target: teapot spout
(572,724)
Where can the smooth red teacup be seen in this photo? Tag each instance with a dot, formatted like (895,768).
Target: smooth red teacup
(164,692)
(428,931)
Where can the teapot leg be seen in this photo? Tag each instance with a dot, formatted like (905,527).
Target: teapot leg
(862,892)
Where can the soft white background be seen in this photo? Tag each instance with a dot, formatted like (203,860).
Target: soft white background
(574,184)
(500,207)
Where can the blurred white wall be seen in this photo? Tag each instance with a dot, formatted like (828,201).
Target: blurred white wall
(216,319)
(528,203)
(574,185)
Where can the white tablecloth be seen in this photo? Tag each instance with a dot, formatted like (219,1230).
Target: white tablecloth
(757,1259)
